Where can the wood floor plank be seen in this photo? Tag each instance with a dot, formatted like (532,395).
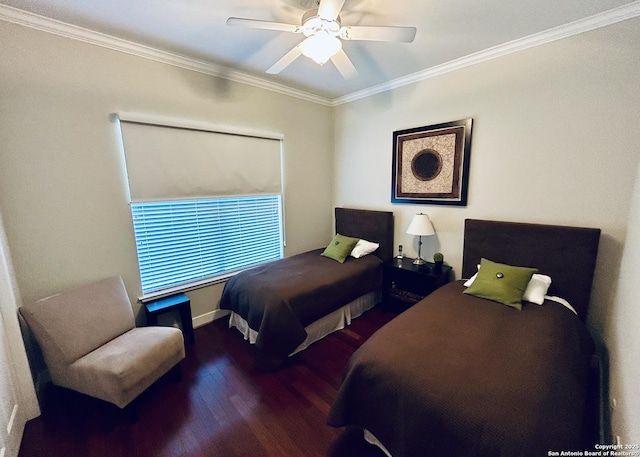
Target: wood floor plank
(225,404)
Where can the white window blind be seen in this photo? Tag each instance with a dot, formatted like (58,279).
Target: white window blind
(204,203)
(185,241)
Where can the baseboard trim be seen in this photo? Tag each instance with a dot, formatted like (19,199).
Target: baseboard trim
(207,318)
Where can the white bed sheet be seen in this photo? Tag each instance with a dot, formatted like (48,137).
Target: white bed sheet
(371,439)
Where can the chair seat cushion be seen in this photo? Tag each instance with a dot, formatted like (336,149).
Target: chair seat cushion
(124,367)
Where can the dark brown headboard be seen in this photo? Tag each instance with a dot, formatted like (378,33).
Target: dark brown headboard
(374,226)
(566,254)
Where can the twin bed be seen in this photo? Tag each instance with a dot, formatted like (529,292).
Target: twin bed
(454,375)
(458,375)
(284,306)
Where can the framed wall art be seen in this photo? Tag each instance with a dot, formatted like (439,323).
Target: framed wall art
(431,164)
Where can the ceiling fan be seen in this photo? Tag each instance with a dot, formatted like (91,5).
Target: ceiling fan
(324,32)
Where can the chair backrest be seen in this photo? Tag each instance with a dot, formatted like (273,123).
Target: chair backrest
(71,324)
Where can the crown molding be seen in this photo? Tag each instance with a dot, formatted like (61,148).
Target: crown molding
(53,26)
(63,29)
(596,21)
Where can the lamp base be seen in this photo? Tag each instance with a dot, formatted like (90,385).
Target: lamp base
(419,261)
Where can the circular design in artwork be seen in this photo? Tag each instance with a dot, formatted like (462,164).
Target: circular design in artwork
(426,165)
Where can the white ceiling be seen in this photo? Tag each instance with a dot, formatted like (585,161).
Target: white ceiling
(450,33)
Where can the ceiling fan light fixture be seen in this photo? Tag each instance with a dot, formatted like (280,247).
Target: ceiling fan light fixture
(323,31)
(320,47)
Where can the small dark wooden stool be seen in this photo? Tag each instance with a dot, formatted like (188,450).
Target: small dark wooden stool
(180,302)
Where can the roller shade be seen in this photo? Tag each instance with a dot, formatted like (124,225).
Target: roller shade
(166,162)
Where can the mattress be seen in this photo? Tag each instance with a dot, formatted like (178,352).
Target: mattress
(460,375)
(332,322)
(279,300)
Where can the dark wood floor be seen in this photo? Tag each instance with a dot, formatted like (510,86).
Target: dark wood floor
(224,405)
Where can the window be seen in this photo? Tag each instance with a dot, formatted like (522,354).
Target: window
(205,202)
(185,241)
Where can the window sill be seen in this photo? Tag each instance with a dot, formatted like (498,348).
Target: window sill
(188,287)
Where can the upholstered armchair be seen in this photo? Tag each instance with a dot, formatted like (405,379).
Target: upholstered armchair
(91,345)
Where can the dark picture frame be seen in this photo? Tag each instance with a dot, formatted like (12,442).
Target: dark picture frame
(431,164)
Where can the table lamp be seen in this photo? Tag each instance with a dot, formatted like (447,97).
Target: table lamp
(420,225)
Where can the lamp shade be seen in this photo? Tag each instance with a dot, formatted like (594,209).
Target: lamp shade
(421,225)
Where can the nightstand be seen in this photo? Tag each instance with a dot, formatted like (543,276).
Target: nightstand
(404,283)
(179,302)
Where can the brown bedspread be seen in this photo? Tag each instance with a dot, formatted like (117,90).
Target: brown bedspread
(279,299)
(457,375)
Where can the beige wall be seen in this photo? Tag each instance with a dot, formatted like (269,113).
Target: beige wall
(555,140)
(62,176)
(622,335)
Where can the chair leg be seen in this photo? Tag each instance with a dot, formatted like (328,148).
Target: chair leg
(176,373)
(130,412)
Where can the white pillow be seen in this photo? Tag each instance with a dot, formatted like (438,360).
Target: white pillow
(535,291)
(469,281)
(363,247)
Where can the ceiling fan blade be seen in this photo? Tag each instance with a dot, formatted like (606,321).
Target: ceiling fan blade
(268,25)
(329,9)
(283,63)
(370,33)
(344,65)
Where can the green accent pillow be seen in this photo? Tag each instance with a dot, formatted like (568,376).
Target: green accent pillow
(502,283)
(340,247)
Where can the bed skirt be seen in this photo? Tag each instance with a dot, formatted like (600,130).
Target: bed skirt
(317,330)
